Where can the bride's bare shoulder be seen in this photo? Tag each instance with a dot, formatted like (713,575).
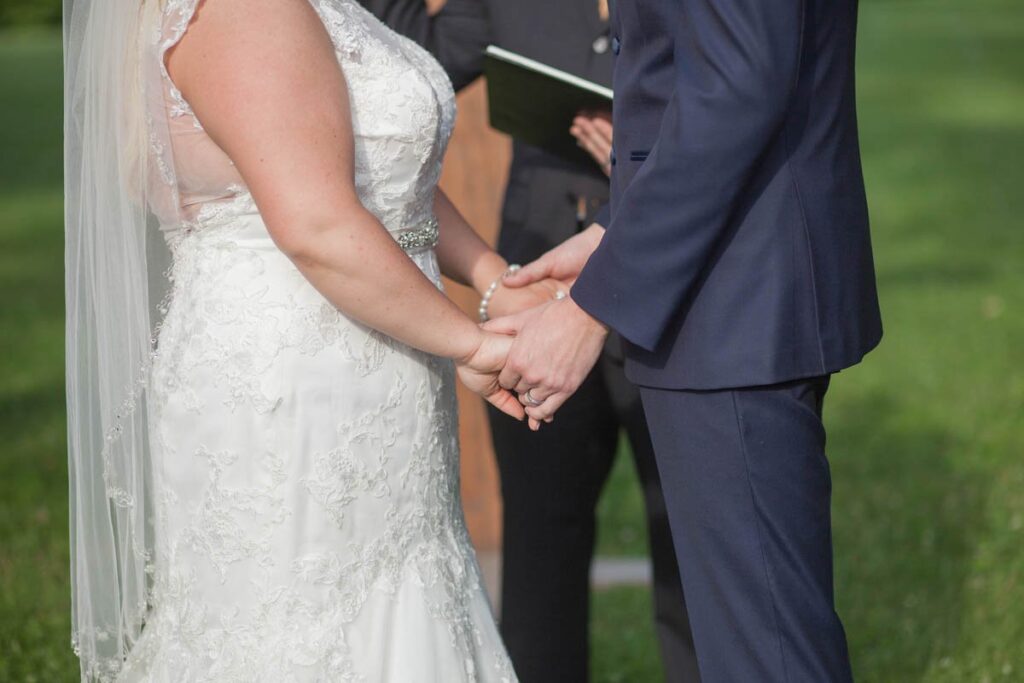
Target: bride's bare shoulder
(246,35)
(263,78)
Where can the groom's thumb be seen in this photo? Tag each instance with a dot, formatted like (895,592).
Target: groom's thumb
(530,273)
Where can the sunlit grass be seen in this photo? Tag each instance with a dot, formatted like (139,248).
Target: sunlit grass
(926,438)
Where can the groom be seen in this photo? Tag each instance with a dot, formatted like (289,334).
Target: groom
(737,263)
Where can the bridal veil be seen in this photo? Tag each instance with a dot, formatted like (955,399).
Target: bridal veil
(115,263)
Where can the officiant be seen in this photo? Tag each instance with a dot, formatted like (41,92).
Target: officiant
(551,480)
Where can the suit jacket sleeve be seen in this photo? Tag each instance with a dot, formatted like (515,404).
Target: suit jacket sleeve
(735,67)
(603,216)
(457,35)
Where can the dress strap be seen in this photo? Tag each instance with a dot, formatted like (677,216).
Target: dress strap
(177,15)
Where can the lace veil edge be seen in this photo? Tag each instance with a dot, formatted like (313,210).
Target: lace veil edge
(115,265)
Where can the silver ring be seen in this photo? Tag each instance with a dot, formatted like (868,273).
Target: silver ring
(530,399)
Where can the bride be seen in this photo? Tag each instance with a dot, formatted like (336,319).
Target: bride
(265,484)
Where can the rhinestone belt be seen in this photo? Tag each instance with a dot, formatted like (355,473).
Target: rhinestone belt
(423,236)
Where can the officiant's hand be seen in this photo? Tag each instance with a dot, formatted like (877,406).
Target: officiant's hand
(563,263)
(593,132)
(479,372)
(555,349)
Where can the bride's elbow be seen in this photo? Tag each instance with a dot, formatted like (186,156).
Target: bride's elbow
(297,242)
(309,237)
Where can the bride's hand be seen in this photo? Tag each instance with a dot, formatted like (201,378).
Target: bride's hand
(479,372)
(509,301)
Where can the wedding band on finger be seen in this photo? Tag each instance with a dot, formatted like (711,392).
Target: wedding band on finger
(559,295)
(530,399)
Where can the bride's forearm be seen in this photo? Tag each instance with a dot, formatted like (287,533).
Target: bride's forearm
(461,252)
(363,272)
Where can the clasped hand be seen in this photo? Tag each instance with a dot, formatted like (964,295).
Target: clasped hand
(550,348)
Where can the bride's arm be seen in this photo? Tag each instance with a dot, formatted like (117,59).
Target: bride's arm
(468,260)
(262,77)
(462,254)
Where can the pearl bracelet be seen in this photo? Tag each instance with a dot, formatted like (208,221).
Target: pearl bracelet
(486,300)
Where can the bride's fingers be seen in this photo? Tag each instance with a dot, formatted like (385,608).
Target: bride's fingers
(523,386)
(506,402)
(535,424)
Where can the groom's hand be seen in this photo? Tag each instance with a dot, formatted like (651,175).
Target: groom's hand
(564,262)
(509,301)
(556,347)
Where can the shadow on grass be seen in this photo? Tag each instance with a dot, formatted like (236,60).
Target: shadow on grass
(905,523)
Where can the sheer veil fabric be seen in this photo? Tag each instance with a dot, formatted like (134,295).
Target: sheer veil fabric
(114,261)
(120,190)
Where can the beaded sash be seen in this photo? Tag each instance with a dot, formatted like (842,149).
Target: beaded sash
(423,236)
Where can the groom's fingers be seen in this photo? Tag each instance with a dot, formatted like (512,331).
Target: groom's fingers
(546,411)
(509,379)
(538,396)
(536,390)
(536,424)
(530,273)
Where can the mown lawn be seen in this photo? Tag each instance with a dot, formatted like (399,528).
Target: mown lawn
(926,438)
(34,618)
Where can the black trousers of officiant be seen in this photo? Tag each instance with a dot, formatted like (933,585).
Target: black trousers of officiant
(551,480)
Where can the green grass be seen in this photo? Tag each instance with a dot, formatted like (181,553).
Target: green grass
(926,437)
(34,602)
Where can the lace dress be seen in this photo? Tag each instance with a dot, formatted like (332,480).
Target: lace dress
(305,468)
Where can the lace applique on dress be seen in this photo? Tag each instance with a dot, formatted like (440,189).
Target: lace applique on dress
(305,468)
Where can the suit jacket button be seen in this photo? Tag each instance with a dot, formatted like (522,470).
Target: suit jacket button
(600,45)
(613,157)
(616,45)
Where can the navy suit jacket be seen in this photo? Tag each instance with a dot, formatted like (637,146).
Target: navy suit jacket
(737,251)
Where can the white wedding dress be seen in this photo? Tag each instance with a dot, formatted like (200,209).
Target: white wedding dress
(305,468)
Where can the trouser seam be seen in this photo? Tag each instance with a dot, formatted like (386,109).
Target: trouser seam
(760,532)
